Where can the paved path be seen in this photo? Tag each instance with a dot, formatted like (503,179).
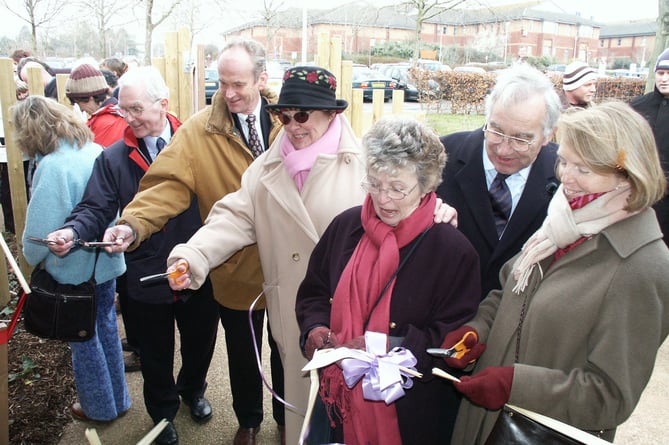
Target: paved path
(647,425)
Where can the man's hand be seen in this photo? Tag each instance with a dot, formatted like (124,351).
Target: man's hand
(63,241)
(443,213)
(121,235)
(179,274)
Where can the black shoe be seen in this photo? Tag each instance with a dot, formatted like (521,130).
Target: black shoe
(132,362)
(200,409)
(168,436)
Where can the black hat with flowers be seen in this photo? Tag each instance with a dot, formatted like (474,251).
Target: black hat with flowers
(309,88)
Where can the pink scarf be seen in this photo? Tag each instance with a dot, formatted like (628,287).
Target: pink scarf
(374,261)
(298,163)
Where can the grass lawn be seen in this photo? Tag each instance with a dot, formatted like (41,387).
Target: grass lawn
(445,124)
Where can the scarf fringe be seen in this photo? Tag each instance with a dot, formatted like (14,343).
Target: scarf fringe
(335,395)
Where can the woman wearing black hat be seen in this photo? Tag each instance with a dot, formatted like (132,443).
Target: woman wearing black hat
(288,196)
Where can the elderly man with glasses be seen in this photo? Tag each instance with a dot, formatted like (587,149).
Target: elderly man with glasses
(501,177)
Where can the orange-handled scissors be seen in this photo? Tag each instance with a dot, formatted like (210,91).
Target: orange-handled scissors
(161,276)
(458,350)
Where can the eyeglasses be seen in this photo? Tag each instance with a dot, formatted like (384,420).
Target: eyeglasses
(134,111)
(372,187)
(517,144)
(300,117)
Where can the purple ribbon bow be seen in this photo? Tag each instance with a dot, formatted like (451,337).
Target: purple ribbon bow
(382,377)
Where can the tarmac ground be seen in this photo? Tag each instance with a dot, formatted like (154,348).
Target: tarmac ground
(647,425)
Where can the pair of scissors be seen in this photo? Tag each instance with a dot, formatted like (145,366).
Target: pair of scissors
(79,242)
(161,276)
(457,351)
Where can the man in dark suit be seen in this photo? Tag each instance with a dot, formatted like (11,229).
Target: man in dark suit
(512,154)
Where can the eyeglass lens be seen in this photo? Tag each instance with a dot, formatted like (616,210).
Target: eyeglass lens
(300,117)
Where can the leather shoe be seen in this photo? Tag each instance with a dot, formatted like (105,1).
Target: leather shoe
(78,412)
(200,409)
(168,436)
(131,362)
(246,436)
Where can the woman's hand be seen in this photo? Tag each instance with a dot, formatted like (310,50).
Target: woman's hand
(320,337)
(443,213)
(179,275)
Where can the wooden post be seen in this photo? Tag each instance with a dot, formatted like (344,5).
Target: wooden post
(184,74)
(200,97)
(323,56)
(398,101)
(4,391)
(345,87)
(357,112)
(14,156)
(171,71)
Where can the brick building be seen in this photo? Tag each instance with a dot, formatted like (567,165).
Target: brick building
(535,28)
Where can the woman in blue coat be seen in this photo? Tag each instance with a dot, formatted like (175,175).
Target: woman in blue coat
(63,149)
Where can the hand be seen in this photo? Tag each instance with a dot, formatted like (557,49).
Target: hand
(463,333)
(490,388)
(443,213)
(179,275)
(63,241)
(320,337)
(122,235)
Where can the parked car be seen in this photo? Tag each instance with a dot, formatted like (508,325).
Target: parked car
(469,69)
(210,83)
(369,80)
(400,73)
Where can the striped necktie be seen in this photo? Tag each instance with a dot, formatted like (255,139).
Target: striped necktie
(500,198)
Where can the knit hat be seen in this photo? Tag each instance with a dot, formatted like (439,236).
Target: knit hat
(663,61)
(309,88)
(85,81)
(576,74)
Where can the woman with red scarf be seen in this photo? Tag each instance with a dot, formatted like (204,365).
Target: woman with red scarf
(575,330)
(387,268)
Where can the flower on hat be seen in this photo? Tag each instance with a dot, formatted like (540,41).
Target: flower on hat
(315,76)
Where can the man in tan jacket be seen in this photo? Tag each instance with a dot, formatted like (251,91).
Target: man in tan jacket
(206,159)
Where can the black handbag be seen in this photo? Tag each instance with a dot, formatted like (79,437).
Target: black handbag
(59,311)
(516,426)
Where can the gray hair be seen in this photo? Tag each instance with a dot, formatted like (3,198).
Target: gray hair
(255,51)
(520,82)
(148,79)
(403,143)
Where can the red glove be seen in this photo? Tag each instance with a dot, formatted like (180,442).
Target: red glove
(475,349)
(489,388)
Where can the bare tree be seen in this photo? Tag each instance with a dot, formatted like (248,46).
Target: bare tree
(425,10)
(268,14)
(104,13)
(36,13)
(661,40)
(152,24)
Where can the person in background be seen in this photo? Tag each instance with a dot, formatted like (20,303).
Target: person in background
(110,78)
(654,106)
(344,294)
(63,147)
(579,85)
(501,177)
(574,331)
(86,86)
(47,73)
(19,54)
(151,309)
(206,159)
(116,66)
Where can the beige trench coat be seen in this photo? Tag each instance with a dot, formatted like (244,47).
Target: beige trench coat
(286,224)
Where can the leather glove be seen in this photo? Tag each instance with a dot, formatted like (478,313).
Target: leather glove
(320,337)
(490,388)
(470,341)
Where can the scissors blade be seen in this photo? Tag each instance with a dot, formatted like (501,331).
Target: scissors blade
(95,243)
(440,352)
(45,241)
(154,278)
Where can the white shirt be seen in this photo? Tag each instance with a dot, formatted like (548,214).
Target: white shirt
(150,141)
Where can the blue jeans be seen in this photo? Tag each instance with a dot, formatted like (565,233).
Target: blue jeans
(99,375)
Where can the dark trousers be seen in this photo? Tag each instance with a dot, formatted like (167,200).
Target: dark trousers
(245,381)
(6,194)
(197,321)
(129,324)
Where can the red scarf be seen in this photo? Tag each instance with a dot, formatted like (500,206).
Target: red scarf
(575,204)
(374,261)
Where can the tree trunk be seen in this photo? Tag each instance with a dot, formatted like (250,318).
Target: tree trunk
(661,40)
